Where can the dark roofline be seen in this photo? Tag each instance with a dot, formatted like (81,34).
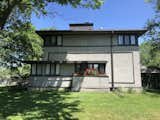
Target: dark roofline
(81,24)
(138,32)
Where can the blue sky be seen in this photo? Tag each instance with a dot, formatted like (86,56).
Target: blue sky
(114,14)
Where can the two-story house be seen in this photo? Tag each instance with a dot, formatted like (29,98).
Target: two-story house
(86,59)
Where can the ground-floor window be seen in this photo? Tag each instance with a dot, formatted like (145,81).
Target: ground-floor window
(45,69)
(90,68)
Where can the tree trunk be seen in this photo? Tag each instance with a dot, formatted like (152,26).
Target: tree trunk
(4,14)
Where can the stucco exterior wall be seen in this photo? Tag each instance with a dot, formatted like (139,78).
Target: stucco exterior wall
(50,81)
(86,40)
(126,60)
(90,83)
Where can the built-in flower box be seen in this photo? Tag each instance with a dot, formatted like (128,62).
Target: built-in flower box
(80,83)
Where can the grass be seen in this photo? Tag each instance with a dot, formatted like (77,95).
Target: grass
(51,105)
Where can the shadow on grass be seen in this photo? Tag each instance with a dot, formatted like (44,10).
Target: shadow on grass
(37,105)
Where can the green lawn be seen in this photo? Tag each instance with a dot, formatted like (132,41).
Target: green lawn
(23,105)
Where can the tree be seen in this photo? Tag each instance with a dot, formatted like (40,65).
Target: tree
(150,55)
(156,2)
(150,49)
(19,45)
(13,10)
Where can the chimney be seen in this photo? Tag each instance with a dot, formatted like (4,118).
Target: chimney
(81,26)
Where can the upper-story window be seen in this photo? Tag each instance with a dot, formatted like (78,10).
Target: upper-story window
(120,39)
(133,39)
(53,40)
(127,40)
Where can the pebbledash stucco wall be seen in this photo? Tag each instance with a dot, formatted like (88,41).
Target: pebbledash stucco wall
(126,61)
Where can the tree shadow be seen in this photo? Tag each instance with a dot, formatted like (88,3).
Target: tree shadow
(152,92)
(37,105)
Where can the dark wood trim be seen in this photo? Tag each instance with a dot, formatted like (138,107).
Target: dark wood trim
(92,76)
(56,43)
(122,82)
(112,69)
(93,46)
(136,40)
(36,69)
(71,32)
(81,24)
(31,70)
(52,76)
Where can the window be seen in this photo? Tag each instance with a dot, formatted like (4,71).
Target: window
(57,69)
(52,72)
(133,39)
(120,39)
(53,40)
(33,69)
(82,67)
(39,69)
(102,68)
(47,41)
(59,40)
(127,40)
(44,69)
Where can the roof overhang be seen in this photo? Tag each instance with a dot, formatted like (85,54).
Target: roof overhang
(71,32)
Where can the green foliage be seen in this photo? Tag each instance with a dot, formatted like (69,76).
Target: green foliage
(5,73)
(13,10)
(150,49)
(155,2)
(18,46)
(150,54)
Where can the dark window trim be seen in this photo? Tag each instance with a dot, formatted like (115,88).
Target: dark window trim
(136,39)
(92,66)
(41,69)
(56,44)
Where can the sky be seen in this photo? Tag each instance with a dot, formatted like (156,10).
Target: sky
(114,14)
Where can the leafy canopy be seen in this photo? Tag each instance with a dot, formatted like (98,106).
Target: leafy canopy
(150,49)
(13,10)
(19,45)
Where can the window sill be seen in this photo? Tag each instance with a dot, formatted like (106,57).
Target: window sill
(90,76)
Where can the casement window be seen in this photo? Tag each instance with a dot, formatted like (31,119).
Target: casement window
(120,39)
(53,40)
(39,69)
(45,69)
(133,39)
(127,40)
(81,67)
(33,69)
(59,40)
(52,69)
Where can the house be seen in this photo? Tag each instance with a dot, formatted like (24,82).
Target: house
(84,59)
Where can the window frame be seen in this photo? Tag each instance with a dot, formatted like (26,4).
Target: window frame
(92,64)
(124,44)
(50,41)
(41,69)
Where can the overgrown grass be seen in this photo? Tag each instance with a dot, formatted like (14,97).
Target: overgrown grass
(24,105)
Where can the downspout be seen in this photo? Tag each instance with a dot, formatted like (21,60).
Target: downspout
(112,69)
